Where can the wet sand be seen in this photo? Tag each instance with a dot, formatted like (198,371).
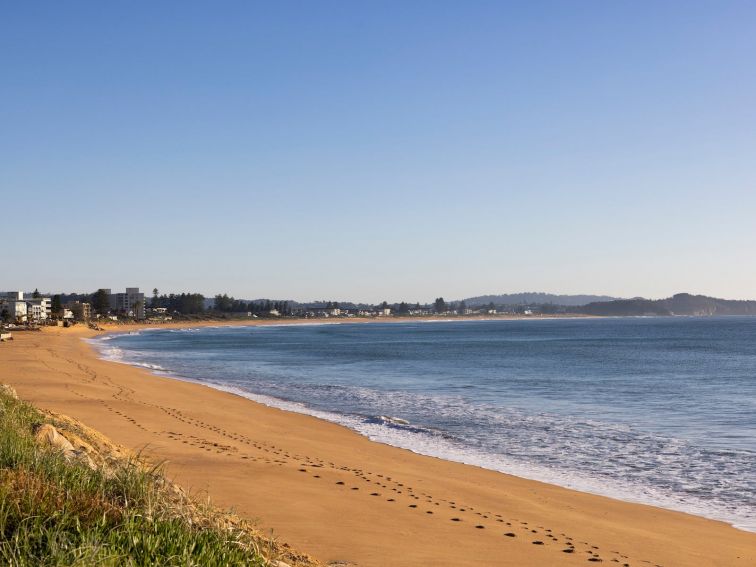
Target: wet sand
(332,493)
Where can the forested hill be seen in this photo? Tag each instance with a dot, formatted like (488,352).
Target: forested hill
(533,298)
(680,304)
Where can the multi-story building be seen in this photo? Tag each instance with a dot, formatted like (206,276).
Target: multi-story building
(20,309)
(130,303)
(13,307)
(38,309)
(81,311)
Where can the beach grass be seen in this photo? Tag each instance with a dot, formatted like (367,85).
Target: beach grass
(58,511)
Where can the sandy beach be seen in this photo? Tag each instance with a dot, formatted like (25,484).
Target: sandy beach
(332,493)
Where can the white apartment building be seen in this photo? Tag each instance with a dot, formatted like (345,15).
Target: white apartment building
(22,309)
(14,310)
(39,309)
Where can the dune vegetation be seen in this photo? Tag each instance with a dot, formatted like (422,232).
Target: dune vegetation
(68,497)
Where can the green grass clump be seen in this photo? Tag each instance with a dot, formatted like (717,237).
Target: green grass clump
(55,512)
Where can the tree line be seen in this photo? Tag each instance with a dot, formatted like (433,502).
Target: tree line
(226,304)
(184,303)
(194,303)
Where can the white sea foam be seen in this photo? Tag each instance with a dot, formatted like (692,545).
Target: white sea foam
(102,339)
(113,353)
(423,442)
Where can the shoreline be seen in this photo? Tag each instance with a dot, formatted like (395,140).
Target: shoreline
(115,327)
(218,442)
(449,454)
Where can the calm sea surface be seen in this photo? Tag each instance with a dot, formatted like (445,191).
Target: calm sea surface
(656,410)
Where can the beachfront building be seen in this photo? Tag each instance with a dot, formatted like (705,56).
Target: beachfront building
(13,311)
(17,308)
(421,311)
(13,308)
(80,310)
(158,314)
(38,309)
(324,312)
(130,303)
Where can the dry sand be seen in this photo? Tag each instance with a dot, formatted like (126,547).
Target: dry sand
(329,492)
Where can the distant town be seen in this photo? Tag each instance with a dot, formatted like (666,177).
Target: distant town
(33,309)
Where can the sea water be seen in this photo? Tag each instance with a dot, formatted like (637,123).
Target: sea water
(654,410)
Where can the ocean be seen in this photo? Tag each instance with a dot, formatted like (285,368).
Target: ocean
(654,410)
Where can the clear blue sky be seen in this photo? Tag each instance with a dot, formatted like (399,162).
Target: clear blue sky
(379,150)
